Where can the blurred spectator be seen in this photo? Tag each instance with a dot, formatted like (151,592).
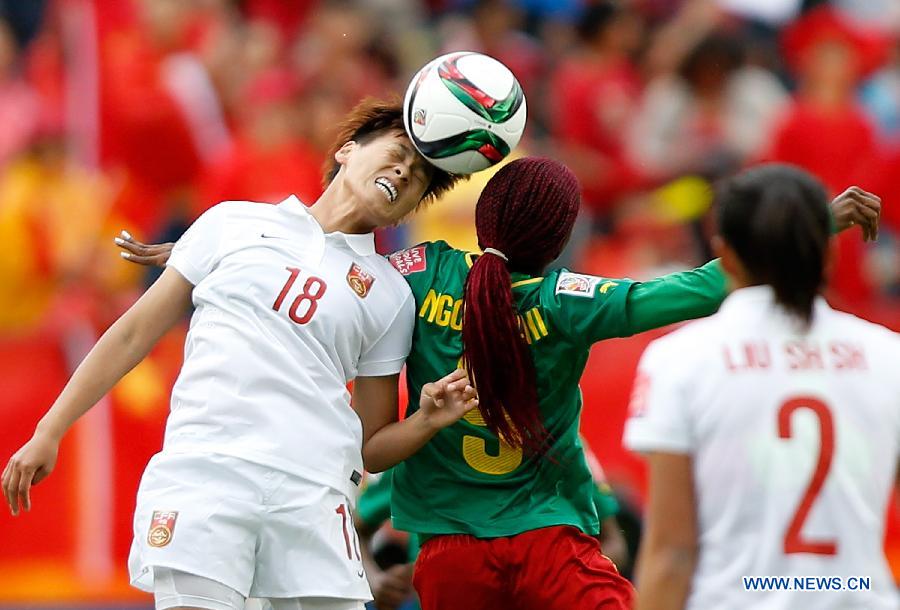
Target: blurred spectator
(19,103)
(710,116)
(592,100)
(825,130)
(495,28)
(269,159)
(162,116)
(880,96)
(52,218)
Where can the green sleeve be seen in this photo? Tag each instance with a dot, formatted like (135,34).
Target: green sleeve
(605,501)
(374,505)
(589,308)
(676,297)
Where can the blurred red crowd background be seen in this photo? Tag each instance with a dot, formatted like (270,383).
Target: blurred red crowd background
(140,114)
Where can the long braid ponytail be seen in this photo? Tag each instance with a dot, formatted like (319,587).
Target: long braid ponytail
(524,218)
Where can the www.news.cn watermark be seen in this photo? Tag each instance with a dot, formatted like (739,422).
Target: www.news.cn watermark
(806,583)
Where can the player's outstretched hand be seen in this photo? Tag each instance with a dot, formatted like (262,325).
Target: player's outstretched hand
(446,400)
(857,207)
(149,255)
(28,466)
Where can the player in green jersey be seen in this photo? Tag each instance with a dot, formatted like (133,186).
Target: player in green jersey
(392,586)
(509,523)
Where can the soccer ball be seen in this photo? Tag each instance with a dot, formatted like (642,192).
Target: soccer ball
(464,112)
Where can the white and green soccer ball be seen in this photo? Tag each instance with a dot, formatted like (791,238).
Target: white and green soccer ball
(464,112)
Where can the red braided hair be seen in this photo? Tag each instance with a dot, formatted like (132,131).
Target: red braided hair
(526,211)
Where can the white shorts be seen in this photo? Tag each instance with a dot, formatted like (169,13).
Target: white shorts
(262,532)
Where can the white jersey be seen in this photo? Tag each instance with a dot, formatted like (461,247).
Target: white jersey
(794,441)
(285,317)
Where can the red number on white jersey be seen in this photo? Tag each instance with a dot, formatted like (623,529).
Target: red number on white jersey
(313,290)
(793,539)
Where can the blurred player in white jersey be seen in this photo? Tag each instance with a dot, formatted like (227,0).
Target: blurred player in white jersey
(252,492)
(772,427)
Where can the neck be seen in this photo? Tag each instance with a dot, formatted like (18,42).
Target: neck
(338,209)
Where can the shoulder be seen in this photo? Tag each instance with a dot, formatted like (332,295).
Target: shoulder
(422,257)
(241,210)
(879,337)
(384,271)
(686,346)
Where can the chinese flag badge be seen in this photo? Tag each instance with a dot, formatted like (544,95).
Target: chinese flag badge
(360,281)
(162,528)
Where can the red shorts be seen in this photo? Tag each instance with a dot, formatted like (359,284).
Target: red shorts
(554,568)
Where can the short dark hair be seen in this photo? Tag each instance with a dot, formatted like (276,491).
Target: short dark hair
(776,219)
(368,120)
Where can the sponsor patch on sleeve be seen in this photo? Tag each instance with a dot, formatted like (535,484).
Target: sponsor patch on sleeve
(409,261)
(577,284)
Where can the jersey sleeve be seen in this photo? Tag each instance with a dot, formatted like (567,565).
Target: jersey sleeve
(197,251)
(587,308)
(388,353)
(591,308)
(659,419)
(676,297)
(418,264)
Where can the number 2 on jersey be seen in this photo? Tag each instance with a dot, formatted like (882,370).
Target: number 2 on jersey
(793,540)
(313,290)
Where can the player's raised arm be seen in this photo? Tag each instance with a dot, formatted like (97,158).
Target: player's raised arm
(120,348)
(696,293)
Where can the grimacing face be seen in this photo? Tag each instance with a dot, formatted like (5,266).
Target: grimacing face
(387,174)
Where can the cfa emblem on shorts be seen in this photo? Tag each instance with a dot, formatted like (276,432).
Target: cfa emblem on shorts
(162,528)
(360,281)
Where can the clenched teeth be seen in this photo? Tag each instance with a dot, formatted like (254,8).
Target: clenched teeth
(388,188)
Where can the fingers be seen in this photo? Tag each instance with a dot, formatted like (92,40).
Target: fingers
(24,491)
(141,253)
(6,479)
(455,375)
(470,404)
(864,209)
(11,490)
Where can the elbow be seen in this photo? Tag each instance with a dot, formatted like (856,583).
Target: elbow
(372,461)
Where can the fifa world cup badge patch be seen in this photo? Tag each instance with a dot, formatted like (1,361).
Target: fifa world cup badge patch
(576,284)
(419,116)
(360,281)
(409,261)
(162,528)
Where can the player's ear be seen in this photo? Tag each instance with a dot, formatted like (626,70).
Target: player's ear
(342,154)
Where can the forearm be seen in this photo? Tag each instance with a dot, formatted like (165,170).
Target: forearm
(397,441)
(676,297)
(664,578)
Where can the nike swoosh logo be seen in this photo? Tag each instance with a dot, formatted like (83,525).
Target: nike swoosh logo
(263,235)
(360,573)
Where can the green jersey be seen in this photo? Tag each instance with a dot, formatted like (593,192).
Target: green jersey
(466,480)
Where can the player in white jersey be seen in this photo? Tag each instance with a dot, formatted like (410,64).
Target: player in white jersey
(252,492)
(772,427)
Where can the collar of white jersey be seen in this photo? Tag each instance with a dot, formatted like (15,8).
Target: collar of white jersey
(361,243)
(757,296)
